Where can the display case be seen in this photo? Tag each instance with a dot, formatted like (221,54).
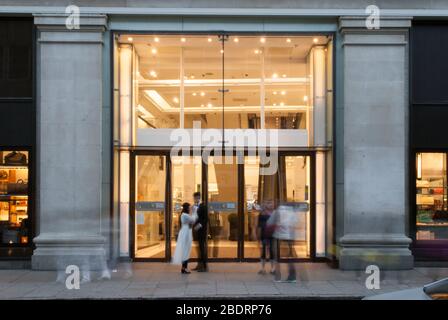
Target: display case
(14,197)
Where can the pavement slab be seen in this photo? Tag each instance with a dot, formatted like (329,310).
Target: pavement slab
(224,280)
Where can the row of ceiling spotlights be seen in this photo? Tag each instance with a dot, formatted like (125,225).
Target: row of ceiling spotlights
(262,39)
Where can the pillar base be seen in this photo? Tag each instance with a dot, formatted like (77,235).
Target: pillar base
(57,251)
(388,252)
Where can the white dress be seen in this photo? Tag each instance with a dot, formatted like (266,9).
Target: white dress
(184,239)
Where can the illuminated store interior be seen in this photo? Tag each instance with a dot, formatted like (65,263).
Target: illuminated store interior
(222,82)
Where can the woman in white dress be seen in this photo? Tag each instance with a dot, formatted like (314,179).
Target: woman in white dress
(184,238)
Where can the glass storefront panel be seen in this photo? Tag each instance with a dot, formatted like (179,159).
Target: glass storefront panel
(287,81)
(150,177)
(223,208)
(242,82)
(15,225)
(186,179)
(230,81)
(223,81)
(432,206)
(159,62)
(203,75)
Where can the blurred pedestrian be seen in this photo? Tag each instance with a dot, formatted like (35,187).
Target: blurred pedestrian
(285,220)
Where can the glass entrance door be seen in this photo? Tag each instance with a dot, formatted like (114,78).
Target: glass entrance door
(286,192)
(237,195)
(186,177)
(224,217)
(150,213)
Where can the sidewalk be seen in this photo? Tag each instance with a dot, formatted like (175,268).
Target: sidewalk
(225,280)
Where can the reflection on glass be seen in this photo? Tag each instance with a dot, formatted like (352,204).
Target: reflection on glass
(14,192)
(150,207)
(223,209)
(432,207)
(186,179)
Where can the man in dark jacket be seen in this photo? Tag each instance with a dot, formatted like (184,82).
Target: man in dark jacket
(201,231)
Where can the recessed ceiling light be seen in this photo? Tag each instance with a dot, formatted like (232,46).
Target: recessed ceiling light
(274,104)
(153,50)
(315,40)
(209,105)
(275,93)
(191,77)
(222,51)
(194,94)
(153,74)
(282,104)
(256,51)
(305,98)
(156,39)
(236,39)
(202,93)
(202,105)
(209,39)
(274,75)
(183,39)
(176,100)
(262,39)
(283,93)
(283,75)
(130,39)
(288,40)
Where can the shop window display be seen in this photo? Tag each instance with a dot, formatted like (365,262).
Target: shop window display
(14,192)
(432,206)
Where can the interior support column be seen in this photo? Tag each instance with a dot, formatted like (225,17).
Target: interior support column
(126,135)
(69,102)
(375,94)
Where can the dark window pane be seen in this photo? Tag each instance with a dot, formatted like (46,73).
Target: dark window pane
(16,58)
(19,62)
(1,63)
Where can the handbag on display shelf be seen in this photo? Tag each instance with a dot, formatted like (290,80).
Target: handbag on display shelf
(20,187)
(15,158)
(3,175)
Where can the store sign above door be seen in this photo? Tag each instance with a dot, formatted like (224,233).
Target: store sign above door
(250,138)
(297,206)
(222,206)
(149,206)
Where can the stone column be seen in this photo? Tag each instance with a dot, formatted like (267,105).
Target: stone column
(69,102)
(375,95)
